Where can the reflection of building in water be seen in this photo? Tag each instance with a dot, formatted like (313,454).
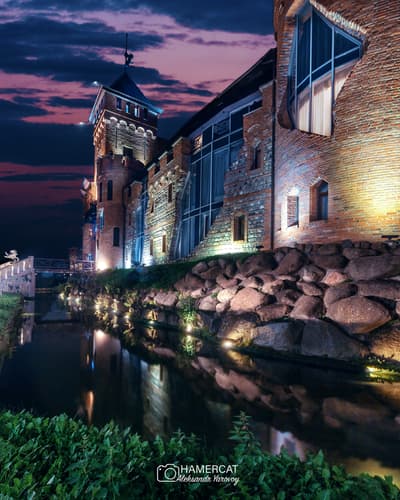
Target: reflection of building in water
(287,440)
(156,399)
(28,320)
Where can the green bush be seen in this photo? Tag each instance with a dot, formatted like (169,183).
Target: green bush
(58,457)
(10,308)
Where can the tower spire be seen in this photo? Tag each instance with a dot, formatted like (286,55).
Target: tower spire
(128,57)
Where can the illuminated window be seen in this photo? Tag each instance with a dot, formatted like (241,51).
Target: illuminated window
(127,107)
(101,219)
(136,111)
(109,190)
(319,201)
(322,58)
(292,211)
(170,192)
(239,227)
(116,237)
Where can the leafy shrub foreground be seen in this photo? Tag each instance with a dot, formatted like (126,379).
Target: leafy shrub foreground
(10,307)
(61,458)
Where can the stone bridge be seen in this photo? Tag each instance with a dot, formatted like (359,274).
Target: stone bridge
(21,277)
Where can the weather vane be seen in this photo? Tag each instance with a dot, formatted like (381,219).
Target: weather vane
(128,57)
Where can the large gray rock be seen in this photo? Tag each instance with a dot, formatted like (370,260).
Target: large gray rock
(387,289)
(225,282)
(333,277)
(288,297)
(370,268)
(328,249)
(358,314)
(310,289)
(311,273)
(189,283)
(272,287)
(338,292)
(307,308)
(212,273)
(386,342)
(262,261)
(282,336)
(239,328)
(247,299)
(227,294)
(207,303)
(166,299)
(252,282)
(273,311)
(321,338)
(290,263)
(354,253)
(329,261)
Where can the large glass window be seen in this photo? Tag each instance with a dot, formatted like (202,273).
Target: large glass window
(322,58)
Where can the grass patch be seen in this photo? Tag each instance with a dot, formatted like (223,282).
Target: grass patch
(61,458)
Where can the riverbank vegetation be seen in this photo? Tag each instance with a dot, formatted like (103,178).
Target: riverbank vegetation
(62,458)
(10,311)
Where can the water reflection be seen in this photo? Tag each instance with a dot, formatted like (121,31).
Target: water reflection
(87,373)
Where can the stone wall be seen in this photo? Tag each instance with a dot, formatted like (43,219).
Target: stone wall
(360,160)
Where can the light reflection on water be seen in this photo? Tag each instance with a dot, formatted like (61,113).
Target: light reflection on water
(67,367)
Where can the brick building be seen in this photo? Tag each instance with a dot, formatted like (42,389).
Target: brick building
(303,147)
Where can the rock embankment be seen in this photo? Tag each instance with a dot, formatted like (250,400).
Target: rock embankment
(338,300)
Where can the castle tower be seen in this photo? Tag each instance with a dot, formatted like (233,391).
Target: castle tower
(125,139)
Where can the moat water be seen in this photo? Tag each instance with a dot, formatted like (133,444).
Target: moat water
(65,366)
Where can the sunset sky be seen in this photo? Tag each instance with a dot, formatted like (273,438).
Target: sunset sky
(51,52)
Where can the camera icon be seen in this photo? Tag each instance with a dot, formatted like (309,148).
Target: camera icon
(167,473)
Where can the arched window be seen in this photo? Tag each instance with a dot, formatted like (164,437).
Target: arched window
(322,58)
(319,201)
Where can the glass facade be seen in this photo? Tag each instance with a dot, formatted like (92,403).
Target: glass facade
(322,58)
(213,151)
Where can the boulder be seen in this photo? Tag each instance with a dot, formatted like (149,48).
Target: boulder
(333,278)
(230,270)
(247,299)
(252,282)
(386,342)
(262,261)
(272,287)
(222,307)
(239,328)
(358,314)
(166,299)
(224,282)
(338,292)
(282,336)
(310,289)
(307,308)
(288,297)
(212,273)
(200,267)
(329,261)
(387,289)
(188,283)
(321,338)
(370,268)
(273,311)
(227,294)
(290,263)
(354,253)
(329,249)
(207,303)
(311,273)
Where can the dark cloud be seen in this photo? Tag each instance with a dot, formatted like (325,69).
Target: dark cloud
(10,110)
(70,103)
(232,16)
(51,176)
(180,88)
(45,144)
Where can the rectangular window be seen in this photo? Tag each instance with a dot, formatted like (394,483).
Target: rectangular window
(239,227)
(136,111)
(164,243)
(101,219)
(127,152)
(100,191)
(170,192)
(257,158)
(145,113)
(127,107)
(151,247)
(119,103)
(292,211)
(109,190)
(116,237)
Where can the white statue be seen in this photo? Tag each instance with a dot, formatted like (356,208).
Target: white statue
(12,255)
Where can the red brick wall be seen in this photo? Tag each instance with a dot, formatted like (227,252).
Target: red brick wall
(361,160)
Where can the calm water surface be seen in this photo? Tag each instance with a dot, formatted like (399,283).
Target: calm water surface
(60,366)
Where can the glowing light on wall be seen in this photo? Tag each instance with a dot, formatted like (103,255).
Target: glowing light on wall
(102,264)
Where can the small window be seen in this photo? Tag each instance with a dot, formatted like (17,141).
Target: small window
(170,155)
(170,192)
(152,206)
(116,237)
(145,113)
(127,107)
(109,190)
(164,243)
(101,219)
(97,244)
(292,211)
(156,168)
(151,245)
(239,228)
(119,103)
(100,191)
(127,152)
(136,111)
(319,201)
(257,158)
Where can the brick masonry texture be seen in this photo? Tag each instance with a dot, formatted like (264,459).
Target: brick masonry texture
(360,161)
